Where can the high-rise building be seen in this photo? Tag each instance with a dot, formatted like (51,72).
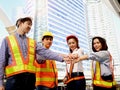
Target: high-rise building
(3,33)
(103,21)
(62,18)
(29,11)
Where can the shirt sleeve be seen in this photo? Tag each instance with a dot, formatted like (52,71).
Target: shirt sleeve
(100,56)
(40,59)
(47,54)
(80,52)
(3,56)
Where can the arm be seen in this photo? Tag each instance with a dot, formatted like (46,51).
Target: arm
(48,54)
(83,57)
(100,56)
(3,55)
(40,59)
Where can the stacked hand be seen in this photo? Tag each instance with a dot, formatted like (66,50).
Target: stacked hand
(71,58)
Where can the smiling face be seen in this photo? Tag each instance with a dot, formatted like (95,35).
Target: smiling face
(72,44)
(26,26)
(97,44)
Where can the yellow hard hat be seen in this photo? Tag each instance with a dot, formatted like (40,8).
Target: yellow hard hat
(47,33)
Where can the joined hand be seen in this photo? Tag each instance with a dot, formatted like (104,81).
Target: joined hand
(71,58)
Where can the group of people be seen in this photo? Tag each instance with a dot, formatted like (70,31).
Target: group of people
(27,65)
(102,68)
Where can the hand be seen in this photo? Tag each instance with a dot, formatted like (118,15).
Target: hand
(75,60)
(2,88)
(74,56)
(83,57)
(65,79)
(69,58)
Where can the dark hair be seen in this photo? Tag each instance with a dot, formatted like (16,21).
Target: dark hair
(102,41)
(74,37)
(47,37)
(22,20)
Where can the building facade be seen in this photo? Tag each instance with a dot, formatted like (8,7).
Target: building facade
(62,18)
(103,21)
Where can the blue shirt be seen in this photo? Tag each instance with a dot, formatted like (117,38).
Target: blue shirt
(6,57)
(104,58)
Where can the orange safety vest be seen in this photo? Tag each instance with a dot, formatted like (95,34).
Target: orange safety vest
(46,74)
(19,63)
(98,81)
(68,75)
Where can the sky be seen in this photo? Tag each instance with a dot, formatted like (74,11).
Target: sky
(8,6)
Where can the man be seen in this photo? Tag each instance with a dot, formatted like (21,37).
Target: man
(46,74)
(17,56)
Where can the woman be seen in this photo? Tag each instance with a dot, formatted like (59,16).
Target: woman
(103,78)
(77,70)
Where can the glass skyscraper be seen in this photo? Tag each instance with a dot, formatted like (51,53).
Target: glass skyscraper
(62,18)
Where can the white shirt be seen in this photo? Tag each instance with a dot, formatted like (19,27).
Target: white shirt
(77,66)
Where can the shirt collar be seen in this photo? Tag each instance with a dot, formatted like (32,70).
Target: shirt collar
(75,49)
(21,36)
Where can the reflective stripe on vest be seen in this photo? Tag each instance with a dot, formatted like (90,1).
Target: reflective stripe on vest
(19,64)
(98,81)
(46,74)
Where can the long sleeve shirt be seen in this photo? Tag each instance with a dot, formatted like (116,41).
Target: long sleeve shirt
(6,59)
(104,58)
